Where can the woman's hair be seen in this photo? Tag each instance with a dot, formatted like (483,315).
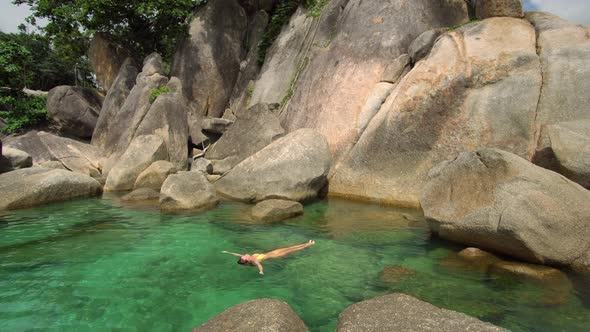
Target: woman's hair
(242,261)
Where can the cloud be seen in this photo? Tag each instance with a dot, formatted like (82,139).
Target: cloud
(577,11)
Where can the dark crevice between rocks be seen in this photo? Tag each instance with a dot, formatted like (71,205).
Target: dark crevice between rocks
(537,126)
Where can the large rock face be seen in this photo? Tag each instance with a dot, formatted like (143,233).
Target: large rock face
(498,201)
(294,167)
(143,151)
(106,59)
(400,312)
(187,191)
(353,43)
(283,60)
(570,143)
(252,131)
(255,316)
(167,118)
(73,155)
(242,93)
(122,127)
(36,186)
(564,50)
(74,109)
(208,61)
(109,114)
(479,87)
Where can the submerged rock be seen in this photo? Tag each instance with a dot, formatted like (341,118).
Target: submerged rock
(143,151)
(400,312)
(274,210)
(154,176)
(75,109)
(557,287)
(294,167)
(395,273)
(36,186)
(187,191)
(255,316)
(496,200)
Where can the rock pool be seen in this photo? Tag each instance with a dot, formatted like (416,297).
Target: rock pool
(95,265)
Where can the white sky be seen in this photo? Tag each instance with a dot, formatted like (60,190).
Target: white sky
(574,10)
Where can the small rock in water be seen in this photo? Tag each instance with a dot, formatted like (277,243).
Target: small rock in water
(274,210)
(556,284)
(395,273)
(472,259)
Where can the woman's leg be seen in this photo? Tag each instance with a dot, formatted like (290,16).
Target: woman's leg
(284,251)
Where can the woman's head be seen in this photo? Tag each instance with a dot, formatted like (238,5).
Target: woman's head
(244,260)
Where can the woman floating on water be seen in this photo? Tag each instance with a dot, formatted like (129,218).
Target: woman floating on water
(255,259)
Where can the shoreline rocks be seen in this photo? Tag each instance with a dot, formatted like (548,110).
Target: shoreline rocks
(255,316)
(400,312)
(274,210)
(498,201)
(12,159)
(142,152)
(74,109)
(36,186)
(187,191)
(294,167)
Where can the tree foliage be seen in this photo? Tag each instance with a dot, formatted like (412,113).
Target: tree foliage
(143,26)
(29,60)
(19,111)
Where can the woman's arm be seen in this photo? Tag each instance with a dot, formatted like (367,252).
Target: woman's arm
(260,269)
(232,253)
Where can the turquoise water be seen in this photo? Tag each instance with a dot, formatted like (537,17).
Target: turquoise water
(94,265)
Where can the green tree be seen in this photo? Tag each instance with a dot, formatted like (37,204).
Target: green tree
(13,63)
(29,60)
(142,26)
